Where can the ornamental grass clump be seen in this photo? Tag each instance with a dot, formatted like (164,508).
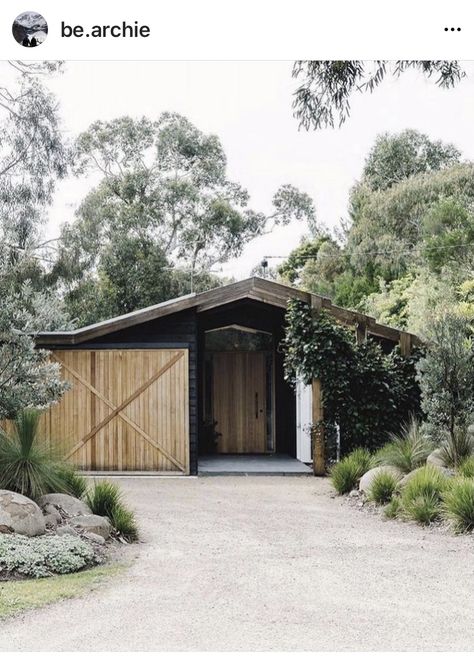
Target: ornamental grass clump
(466,468)
(406,451)
(105,499)
(28,464)
(382,487)
(457,447)
(392,510)
(75,484)
(346,474)
(421,496)
(458,505)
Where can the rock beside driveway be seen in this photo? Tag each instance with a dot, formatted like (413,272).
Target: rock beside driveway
(67,503)
(366,480)
(20,514)
(94,524)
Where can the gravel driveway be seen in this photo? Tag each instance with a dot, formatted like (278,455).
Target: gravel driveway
(266,563)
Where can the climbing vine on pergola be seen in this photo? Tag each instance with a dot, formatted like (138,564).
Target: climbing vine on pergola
(367,392)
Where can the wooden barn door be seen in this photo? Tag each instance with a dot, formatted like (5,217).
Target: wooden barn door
(239,401)
(126,410)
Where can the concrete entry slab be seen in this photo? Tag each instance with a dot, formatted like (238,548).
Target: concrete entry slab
(243,464)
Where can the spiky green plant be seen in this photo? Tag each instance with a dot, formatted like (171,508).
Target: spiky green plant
(459,504)
(457,447)
(105,499)
(345,475)
(466,468)
(406,451)
(124,522)
(392,509)
(423,509)
(421,495)
(382,487)
(28,464)
(75,484)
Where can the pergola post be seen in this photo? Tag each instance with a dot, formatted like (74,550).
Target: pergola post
(406,344)
(318,444)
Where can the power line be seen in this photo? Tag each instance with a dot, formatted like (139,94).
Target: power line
(387,252)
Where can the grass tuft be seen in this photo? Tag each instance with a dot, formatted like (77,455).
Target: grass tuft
(459,504)
(105,499)
(466,468)
(345,475)
(75,484)
(382,487)
(406,451)
(421,496)
(457,447)
(392,510)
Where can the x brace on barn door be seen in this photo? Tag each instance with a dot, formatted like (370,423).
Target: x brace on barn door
(117,411)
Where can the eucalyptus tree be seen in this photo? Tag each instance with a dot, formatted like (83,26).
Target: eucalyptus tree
(325,87)
(164,186)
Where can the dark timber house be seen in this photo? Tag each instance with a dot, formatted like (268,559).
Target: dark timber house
(202,374)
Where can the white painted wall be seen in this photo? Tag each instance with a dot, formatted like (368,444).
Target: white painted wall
(304,404)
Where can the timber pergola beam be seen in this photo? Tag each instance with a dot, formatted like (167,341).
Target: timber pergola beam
(254,288)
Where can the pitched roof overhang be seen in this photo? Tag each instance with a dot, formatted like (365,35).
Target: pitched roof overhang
(254,288)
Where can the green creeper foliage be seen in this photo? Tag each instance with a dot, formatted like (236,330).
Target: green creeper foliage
(368,393)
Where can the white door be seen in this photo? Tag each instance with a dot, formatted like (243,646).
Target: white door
(304,403)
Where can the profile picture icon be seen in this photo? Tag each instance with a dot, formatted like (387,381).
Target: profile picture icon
(30,29)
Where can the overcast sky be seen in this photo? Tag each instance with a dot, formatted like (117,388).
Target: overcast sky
(248,105)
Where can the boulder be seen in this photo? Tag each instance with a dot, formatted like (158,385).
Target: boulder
(20,514)
(66,530)
(51,514)
(435,459)
(366,480)
(95,524)
(94,538)
(67,503)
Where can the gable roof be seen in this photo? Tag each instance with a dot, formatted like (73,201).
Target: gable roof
(254,288)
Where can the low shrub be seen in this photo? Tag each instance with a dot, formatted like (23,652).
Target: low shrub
(457,447)
(466,468)
(75,484)
(345,475)
(382,487)
(41,556)
(421,496)
(105,499)
(392,509)
(459,504)
(406,451)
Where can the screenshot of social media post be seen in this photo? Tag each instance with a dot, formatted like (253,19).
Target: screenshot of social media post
(236,329)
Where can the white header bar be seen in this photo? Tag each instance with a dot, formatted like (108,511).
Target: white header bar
(244,29)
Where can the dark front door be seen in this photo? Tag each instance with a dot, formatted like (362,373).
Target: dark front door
(239,401)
